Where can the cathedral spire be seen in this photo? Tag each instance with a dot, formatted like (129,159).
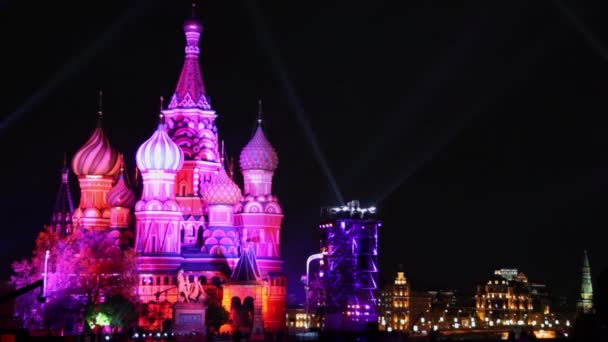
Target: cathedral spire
(99,107)
(259,119)
(61,218)
(585,301)
(190,91)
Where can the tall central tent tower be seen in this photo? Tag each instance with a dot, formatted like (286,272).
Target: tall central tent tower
(193,216)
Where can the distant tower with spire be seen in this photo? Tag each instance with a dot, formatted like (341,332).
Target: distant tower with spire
(61,218)
(96,164)
(584,304)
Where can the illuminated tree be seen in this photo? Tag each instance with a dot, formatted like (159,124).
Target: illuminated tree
(116,311)
(28,271)
(84,270)
(91,266)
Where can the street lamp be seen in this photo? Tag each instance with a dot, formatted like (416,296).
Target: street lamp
(310,259)
(46,268)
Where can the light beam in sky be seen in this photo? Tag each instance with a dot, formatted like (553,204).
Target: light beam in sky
(75,64)
(280,71)
(583,29)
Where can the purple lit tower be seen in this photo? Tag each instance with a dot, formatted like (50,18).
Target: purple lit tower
(349,272)
(259,217)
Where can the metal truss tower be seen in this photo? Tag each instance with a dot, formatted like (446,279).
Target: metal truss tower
(349,271)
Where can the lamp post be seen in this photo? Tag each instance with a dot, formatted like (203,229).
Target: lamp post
(311,258)
(46,268)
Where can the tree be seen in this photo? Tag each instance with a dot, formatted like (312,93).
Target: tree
(27,271)
(216,315)
(120,313)
(84,270)
(90,266)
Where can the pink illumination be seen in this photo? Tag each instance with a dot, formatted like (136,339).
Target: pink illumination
(221,190)
(121,195)
(190,91)
(96,157)
(259,154)
(159,153)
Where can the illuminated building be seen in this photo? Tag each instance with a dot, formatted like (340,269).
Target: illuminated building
(501,300)
(191,215)
(507,273)
(584,304)
(348,273)
(394,305)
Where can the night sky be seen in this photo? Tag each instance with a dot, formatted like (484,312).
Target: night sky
(478,129)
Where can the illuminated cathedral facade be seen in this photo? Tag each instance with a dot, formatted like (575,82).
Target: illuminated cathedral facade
(191,216)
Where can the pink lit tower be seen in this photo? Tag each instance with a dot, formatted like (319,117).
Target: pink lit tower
(191,124)
(96,164)
(192,215)
(259,217)
(157,213)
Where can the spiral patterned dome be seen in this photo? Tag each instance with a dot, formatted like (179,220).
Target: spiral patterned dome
(221,190)
(96,157)
(121,195)
(159,153)
(259,154)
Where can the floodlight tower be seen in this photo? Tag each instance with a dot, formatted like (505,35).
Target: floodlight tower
(350,269)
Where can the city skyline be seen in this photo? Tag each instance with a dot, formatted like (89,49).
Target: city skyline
(478,139)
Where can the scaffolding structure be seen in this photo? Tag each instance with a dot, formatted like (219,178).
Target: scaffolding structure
(348,272)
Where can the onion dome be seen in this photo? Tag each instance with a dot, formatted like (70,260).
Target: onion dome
(120,195)
(96,157)
(259,154)
(221,190)
(159,152)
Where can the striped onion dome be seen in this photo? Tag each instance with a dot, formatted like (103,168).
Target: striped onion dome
(120,195)
(221,190)
(96,157)
(159,152)
(259,154)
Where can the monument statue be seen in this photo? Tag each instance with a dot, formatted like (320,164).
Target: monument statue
(183,287)
(197,292)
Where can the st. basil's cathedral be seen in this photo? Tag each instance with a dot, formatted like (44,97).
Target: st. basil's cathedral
(191,218)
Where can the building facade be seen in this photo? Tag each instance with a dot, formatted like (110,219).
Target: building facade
(191,216)
(394,305)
